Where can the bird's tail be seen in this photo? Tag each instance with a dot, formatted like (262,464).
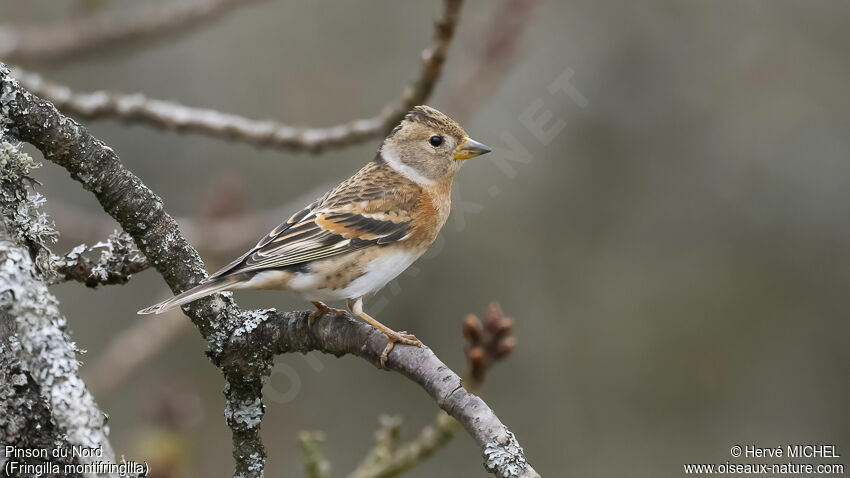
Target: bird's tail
(195,293)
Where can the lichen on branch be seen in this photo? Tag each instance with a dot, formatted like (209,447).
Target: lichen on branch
(43,346)
(119,259)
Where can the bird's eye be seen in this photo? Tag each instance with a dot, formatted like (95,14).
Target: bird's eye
(436,141)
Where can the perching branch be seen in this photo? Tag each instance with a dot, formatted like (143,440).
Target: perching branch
(101,31)
(286,332)
(165,115)
(486,342)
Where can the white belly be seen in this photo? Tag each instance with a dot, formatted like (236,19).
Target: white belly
(377,273)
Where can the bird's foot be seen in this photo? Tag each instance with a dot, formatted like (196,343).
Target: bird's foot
(322,309)
(392,338)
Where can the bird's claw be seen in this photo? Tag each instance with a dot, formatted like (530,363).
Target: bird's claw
(392,338)
(322,309)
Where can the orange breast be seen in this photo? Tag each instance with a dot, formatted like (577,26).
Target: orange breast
(431,213)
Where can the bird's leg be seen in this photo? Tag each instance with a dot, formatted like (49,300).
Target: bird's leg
(356,308)
(321,309)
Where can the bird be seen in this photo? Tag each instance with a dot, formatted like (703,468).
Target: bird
(361,234)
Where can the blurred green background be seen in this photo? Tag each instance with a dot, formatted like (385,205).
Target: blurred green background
(677,258)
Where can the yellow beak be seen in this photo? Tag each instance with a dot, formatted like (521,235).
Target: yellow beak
(469,148)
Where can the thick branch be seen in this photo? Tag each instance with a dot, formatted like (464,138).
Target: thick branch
(46,350)
(27,421)
(165,115)
(40,339)
(241,343)
(71,39)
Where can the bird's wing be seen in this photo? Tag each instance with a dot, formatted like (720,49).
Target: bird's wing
(350,217)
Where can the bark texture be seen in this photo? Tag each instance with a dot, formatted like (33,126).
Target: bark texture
(39,356)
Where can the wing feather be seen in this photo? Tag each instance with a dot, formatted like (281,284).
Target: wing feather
(350,217)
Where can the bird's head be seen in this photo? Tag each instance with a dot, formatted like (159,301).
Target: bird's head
(429,147)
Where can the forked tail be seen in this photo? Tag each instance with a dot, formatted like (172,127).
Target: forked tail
(195,293)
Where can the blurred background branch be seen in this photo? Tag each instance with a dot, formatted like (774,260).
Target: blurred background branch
(71,39)
(166,115)
(315,464)
(131,348)
(497,49)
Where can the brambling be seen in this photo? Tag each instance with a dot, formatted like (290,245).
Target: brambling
(361,234)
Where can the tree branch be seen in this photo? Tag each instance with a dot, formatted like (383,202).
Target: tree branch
(486,342)
(285,332)
(241,343)
(27,420)
(44,346)
(119,259)
(72,39)
(165,115)
(385,462)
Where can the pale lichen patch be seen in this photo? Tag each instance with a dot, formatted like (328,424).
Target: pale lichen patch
(505,457)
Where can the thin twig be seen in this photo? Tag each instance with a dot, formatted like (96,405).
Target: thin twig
(241,343)
(166,115)
(387,439)
(119,259)
(68,40)
(381,463)
(315,464)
